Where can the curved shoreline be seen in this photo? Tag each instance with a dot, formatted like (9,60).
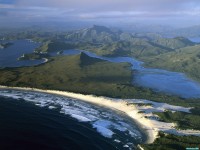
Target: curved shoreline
(119,105)
(147,121)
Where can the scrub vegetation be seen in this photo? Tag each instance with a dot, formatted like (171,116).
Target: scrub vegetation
(173,142)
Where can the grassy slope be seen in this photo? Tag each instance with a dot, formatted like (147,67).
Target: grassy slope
(174,43)
(160,52)
(52,46)
(66,73)
(136,48)
(73,74)
(185,60)
(84,75)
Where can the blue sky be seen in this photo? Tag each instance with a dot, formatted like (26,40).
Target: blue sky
(7,1)
(180,12)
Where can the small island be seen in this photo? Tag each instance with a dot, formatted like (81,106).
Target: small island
(5,45)
(60,52)
(33,56)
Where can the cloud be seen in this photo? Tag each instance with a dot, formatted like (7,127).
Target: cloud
(96,9)
(6,6)
(115,5)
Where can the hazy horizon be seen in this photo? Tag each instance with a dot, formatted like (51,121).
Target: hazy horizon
(176,13)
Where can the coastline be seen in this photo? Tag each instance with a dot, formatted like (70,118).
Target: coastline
(146,121)
(120,105)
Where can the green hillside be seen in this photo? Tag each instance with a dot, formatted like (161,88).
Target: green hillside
(54,46)
(176,54)
(174,43)
(78,73)
(185,60)
(83,74)
(96,34)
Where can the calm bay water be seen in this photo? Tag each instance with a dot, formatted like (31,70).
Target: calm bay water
(195,39)
(9,56)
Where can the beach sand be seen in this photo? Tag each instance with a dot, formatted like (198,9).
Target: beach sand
(145,120)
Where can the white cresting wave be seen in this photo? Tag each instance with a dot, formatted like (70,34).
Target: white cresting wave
(105,122)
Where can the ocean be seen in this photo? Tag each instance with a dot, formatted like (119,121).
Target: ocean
(31,120)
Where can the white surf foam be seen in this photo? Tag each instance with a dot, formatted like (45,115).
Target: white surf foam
(105,121)
(151,126)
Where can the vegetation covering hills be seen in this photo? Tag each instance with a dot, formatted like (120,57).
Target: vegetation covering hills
(105,41)
(81,74)
(96,34)
(172,142)
(151,48)
(136,48)
(54,46)
(167,53)
(185,60)
(183,120)
(174,43)
(100,37)
(71,73)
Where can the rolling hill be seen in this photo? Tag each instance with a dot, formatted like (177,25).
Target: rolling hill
(185,60)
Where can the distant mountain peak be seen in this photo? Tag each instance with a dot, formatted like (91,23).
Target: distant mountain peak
(100,29)
(94,34)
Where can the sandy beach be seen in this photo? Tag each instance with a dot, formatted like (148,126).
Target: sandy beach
(146,120)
